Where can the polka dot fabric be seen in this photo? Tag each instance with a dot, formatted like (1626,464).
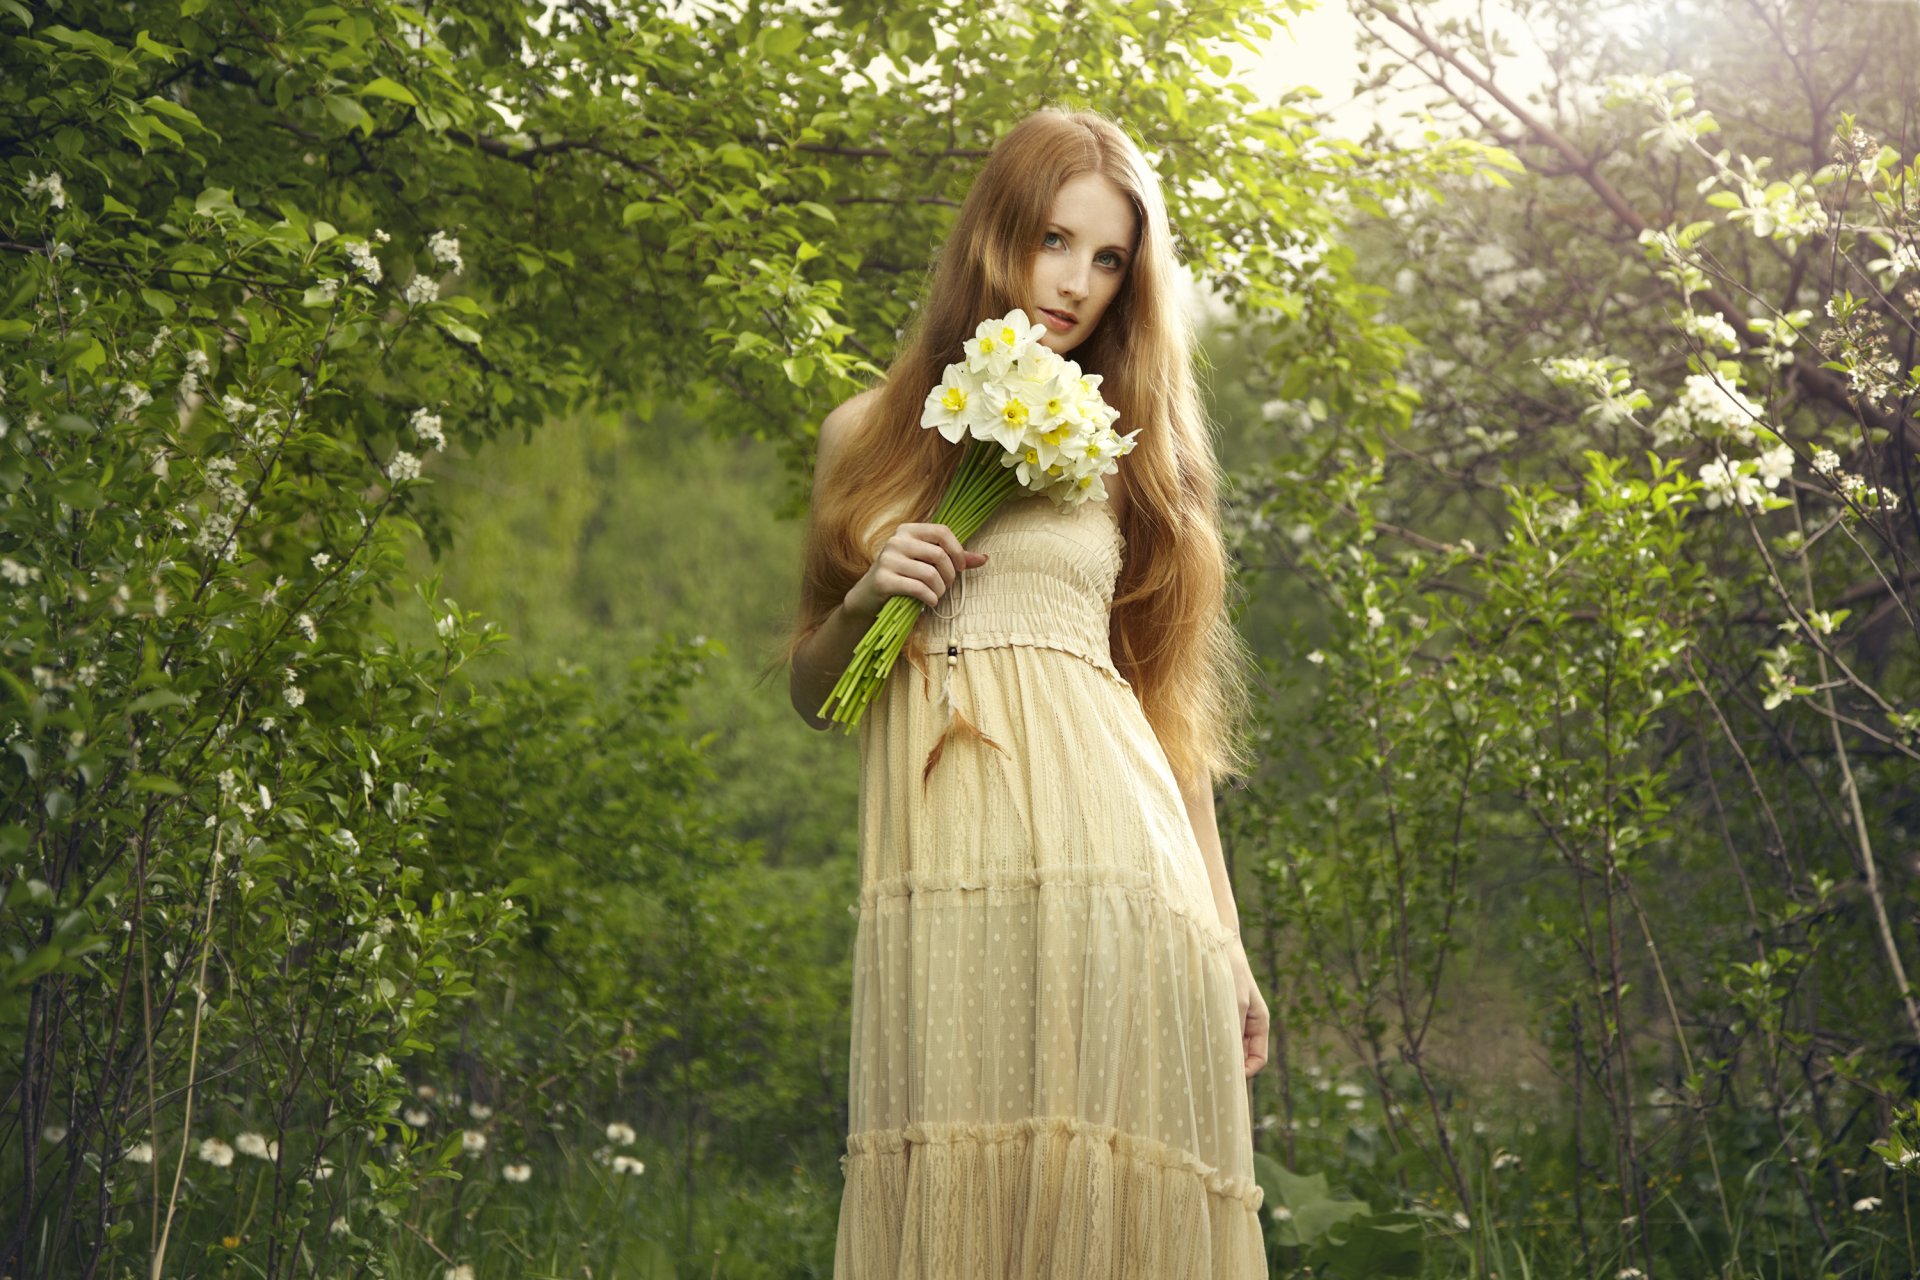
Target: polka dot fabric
(1046,1065)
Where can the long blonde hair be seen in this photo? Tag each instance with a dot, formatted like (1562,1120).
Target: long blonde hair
(1172,635)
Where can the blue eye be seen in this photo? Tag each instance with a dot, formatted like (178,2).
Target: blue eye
(1115,263)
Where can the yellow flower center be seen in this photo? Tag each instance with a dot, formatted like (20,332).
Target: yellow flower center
(955,400)
(1008,336)
(1032,457)
(1015,413)
(986,346)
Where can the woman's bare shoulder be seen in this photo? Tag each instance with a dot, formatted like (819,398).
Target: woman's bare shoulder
(836,429)
(847,416)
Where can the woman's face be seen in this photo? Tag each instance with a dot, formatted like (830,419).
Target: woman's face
(1084,253)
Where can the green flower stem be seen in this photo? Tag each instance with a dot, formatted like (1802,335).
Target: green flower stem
(980,487)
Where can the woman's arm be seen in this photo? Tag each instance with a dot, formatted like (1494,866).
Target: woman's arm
(1198,795)
(821,658)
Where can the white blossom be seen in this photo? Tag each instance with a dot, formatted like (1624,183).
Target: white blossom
(427,427)
(621,1133)
(1776,464)
(363,260)
(445,250)
(404,466)
(1728,483)
(416,1117)
(1866,1205)
(472,1141)
(627,1164)
(216,1152)
(422,288)
(252,1144)
(49,186)
(517,1172)
(140,1153)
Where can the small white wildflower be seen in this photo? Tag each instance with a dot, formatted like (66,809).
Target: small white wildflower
(422,288)
(321,560)
(1461,1220)
(216,1152)
(427,426)
(251,1144)
(54,1132)
(1776,464)
(445,250)
(416,1117)
(1505,1160)
(1316,657)
(1630,1273)
(1375,618)
(517,1172)
(307,628)
(140,1153)
(1866,1205)
(15,572)
(1281,1213)
(627,1164)
(404,466)
(339,1226)
(136,398)
(459,1271)
(294,694)
(49,186)
(622,1134)
(381,236)
(479,1111)
(364,262)
(473,1142)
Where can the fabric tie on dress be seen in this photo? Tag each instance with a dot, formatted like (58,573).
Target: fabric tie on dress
(958,724)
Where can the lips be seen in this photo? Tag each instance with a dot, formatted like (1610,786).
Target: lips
(1064,316)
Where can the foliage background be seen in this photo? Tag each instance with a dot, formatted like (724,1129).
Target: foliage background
(404,413)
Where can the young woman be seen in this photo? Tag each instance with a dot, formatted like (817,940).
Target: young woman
(1054,1019)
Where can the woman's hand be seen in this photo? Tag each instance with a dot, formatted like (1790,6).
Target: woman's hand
(919,560)
(1254,1019)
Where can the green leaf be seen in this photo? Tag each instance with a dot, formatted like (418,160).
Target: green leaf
(349,113)
(457,330)
(164,52)
(780,42)
(168,107)
(383,87)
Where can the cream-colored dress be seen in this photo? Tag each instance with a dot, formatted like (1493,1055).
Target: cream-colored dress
(1046,1076)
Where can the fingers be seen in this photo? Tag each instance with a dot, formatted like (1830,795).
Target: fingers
(925,559)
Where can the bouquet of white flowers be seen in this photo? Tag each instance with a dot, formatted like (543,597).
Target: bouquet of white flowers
(1036,422)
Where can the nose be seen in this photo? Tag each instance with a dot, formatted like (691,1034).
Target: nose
(1073,285)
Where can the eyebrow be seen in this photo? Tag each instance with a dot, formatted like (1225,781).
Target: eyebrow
(1122,250)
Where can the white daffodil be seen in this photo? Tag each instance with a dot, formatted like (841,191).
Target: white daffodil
(997,343)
